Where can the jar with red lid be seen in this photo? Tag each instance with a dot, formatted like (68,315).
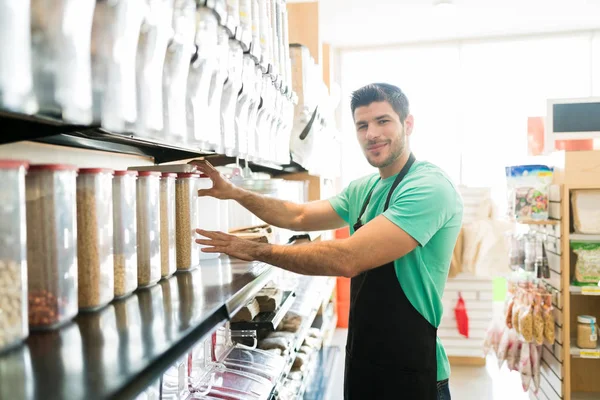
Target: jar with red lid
(188,252)
(95,260)
(167,224)
(51,244)
(13,254)
(124,232)
(148,227)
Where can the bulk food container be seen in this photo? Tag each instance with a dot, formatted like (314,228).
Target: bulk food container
(16,82)
(60,46)
(255,46)
(51,244)
(232,88)
(167,225)
(245,28)
(13,254)
(252,151)
(188,252)
(125,232)
(244,102)
(148,227)
(95,238)
(176,70)
(203,68)
(115,35)
(213,120)
(155,34)
(209,214)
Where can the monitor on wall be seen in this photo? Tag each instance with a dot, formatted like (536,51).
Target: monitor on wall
(572,119)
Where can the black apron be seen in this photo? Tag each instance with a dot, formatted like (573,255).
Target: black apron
(391,347)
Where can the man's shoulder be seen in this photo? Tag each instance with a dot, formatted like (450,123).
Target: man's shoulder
(428,177)
(362,184)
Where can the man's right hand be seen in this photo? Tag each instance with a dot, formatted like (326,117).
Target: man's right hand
(222,188)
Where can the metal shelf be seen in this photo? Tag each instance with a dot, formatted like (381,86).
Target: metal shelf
(120,350)
(268,320)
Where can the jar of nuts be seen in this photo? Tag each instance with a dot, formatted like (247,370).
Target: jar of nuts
(188,252)
(125,231)
(13,254)
(148,227)
(95,238)
(167,224)
(51,244)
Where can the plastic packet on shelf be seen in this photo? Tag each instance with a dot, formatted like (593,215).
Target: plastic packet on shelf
(516,309)
(503,346)
(535,355)
(587,266)
(513,351)
(538,321)
(526,322)
(549,323)
(493,337)
(528,187)
(525,366)
(60,45)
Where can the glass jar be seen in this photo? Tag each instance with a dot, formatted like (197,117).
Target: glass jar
(209,214)
(115,35)
(148,227)
(167,224)
(188,252)
(154,37)
(16,82)
(13,254)
(176,70)
(51,244)
(587,332)
(60,45)
(125,232)
(95,260)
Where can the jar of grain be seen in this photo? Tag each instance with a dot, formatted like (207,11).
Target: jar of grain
(167,224)
(95,258)
(125,231)
(148,227)
(188,252)
(51,245)
(13,254)
(587,332)
(209,214)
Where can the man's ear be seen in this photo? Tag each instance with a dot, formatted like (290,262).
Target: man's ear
(409,123)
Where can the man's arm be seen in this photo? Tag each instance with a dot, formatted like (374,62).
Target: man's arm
(378,242)
(314,216)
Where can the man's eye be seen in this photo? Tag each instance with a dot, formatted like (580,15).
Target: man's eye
(383,121)
(362,127)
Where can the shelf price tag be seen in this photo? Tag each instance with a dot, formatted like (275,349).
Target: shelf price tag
(590,290)
(589,353)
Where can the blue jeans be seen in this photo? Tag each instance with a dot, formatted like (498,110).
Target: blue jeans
(443,389)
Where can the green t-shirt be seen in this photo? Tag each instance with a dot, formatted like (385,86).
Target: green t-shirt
(428,207)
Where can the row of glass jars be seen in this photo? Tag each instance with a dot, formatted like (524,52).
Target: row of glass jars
(76,239)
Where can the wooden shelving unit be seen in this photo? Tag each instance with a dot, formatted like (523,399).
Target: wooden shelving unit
(578,377)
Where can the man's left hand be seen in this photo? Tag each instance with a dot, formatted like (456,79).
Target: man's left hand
(231,245)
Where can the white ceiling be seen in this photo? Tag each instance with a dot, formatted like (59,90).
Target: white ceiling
(356,23)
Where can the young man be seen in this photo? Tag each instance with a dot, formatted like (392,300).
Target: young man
(404,222)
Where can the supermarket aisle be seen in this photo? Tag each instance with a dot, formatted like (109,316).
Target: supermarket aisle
(466,383)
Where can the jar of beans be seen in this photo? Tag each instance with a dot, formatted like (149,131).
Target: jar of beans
(148,227)
(51,244)
(95,238)
(124,232)
(13,254)
(186,193)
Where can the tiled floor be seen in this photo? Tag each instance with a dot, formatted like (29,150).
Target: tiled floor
(466,383)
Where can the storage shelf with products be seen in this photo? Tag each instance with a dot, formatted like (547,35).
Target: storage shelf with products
(121,349)
(576,352)
(579,237)
(267,320)
(585,290)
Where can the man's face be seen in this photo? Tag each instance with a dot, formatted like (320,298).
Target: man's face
(380,133)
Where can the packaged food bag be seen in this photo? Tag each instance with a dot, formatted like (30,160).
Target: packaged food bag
(535,355)
(462,318)
(526,322)
(538,322)
(587,267)
(528,187)
(549,323)
(503,348)
(525,366)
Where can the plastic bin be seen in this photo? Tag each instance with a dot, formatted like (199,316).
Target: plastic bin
(188,252)
(209,214)
(16,82)
(125,232)
(95,238)
(51,245)
(148,227)
(13,254)
(60,45)
(167,225)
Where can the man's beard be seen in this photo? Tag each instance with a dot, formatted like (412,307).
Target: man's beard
(396,150)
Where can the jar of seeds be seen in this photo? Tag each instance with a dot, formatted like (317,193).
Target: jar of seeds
(124,232)
(95,258)
(167,224)
(51,244)
(13,254)
(188,252)
(148,227)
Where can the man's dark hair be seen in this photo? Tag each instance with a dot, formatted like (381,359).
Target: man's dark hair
(381,92)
